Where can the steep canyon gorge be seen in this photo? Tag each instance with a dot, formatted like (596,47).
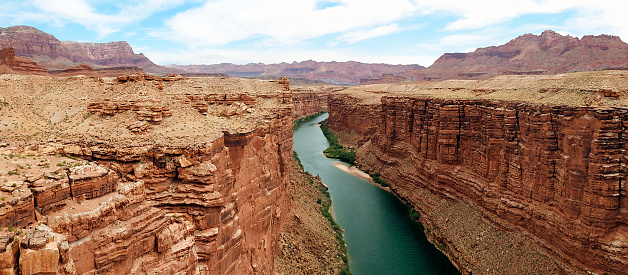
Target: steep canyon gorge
(541,155)
(143,175)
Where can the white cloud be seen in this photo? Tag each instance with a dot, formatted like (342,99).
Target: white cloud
(602,16)
(86,13)
(590,17)
(278,30)
(285,21)
(360,35)
(483,13)
(462,39)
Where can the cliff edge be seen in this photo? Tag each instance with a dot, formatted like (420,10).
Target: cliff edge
(540,155)
(138,174)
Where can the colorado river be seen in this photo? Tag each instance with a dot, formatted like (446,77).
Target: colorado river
(380,237)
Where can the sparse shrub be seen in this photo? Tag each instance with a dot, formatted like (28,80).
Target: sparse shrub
(297,159)
(305,119)
(336,150)
(377,178)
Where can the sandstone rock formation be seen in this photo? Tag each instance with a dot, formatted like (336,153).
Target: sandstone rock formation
(509,147)
(548,53)
(195,193)
(87,70)
(50,53)
(311,99)
(10,64)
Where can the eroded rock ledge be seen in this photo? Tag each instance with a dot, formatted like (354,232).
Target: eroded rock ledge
(84,193)
(554,172)
(311,99)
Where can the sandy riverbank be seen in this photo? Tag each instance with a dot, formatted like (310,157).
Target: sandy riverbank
(358,173)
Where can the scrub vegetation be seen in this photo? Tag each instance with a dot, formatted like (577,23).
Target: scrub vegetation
(335,150)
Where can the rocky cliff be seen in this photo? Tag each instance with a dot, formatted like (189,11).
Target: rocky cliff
(311,99)
(127,175)
(548,53)
(52,54)
(11,64)
(524,160)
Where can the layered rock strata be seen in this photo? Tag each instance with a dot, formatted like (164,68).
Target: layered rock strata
(51,53)
(9,63)
(545,54)
(555,172)
(197,194)
(311,99)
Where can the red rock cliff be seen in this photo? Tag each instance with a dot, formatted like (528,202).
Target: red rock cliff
(9,63)
(307,100)
(51,53)
(556,172)
(193,192)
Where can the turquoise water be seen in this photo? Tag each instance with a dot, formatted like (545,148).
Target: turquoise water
(380,237)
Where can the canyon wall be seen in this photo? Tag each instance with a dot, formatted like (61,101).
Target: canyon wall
(52,54)
(311,99)
(9,63)
(196,191)
(555,172)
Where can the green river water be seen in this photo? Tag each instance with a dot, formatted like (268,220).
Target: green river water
(380,237)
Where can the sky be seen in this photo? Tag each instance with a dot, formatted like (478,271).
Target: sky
(274,31)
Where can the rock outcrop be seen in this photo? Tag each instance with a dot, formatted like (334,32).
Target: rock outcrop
(82,192)
(548,53)
(105,54)
(11,64)
(553,171)
(52,54)
(307,100)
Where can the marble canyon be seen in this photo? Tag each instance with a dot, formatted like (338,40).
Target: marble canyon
(542,155)
(143,175)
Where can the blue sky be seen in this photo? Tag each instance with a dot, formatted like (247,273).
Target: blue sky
(273,31)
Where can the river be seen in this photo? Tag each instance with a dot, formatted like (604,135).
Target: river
(380,237)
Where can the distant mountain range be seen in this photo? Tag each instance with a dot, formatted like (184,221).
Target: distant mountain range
(548,53)
(53,55)
(344,73)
